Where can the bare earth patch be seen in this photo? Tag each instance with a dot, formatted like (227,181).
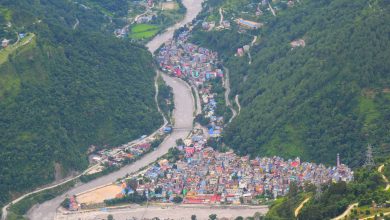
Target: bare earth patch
(168,6)
(99,195)
(165,212)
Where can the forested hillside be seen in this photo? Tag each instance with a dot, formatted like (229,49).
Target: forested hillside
(367,189)
(63,90)
(330,96)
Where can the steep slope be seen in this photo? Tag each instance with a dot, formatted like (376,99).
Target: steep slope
(331,96)
(66,90)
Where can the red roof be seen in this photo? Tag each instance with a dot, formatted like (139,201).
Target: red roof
(294,164)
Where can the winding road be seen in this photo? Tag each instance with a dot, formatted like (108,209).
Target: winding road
(183,118)
(183,114)
(226,84)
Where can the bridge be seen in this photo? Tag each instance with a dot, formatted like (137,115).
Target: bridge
(182,129)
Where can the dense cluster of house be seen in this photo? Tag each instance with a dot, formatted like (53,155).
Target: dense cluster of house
(205,176)
(117,156)
(209,106)
(197,65)
(186,60)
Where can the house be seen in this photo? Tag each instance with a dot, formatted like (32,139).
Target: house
(226,24)
(249,24)
(298,43)
(240,52)
(205,25)
(5,43)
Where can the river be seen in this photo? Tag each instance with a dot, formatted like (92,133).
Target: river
(183,117)
(193,8)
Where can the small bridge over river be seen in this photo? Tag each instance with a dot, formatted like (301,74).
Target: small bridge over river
(182,129)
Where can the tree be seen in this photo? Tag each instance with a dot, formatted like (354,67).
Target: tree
(239,218)
(193,217)
(293,190)
(65,203)
(179,142)
(213,217)
(110,217)
(133,183)
(177,199)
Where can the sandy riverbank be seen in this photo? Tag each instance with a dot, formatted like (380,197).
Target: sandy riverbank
(171,212)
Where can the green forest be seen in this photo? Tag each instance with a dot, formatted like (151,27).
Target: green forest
(331,96)
(66,90)
(333,198)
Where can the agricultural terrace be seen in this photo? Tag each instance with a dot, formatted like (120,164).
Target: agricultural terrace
(143,31)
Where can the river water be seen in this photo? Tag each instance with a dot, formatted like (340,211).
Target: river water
(183,117)
(193,9)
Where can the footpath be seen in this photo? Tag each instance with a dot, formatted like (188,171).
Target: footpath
(350,207)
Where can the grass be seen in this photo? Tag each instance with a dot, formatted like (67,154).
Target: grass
(6,13)
(143,31)
(361,211)
(289,142)
(368,108)
(4,53)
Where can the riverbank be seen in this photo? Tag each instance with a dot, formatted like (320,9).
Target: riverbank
(163,212)
(183,115)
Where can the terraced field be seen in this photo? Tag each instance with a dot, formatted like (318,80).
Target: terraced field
(143,31)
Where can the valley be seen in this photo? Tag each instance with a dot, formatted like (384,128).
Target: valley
(271,115)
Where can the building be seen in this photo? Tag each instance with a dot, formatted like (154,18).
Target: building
(240,52)
(5,43)
(298,43)
(246,48)
(226,24)
(249,24)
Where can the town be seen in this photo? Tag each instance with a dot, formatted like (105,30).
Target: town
(193,172)
(200,68)
(205,176)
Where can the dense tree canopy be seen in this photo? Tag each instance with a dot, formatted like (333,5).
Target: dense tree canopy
(331,96)
(66,90)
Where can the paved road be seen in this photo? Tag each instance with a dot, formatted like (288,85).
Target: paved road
(183,114)
(193,9)
(227,93)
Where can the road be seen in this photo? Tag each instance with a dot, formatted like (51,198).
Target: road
(238,103)
(380,170)
(198,103)
(4,210)
(76,24)
(346,212)
(183,115)
(193,9)
(226,84)
(350,207)
(298,209)
(272,10)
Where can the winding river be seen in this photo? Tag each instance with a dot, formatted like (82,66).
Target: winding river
(183,117)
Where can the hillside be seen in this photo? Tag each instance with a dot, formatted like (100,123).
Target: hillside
(367,189)
(329,96)
(64,90)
